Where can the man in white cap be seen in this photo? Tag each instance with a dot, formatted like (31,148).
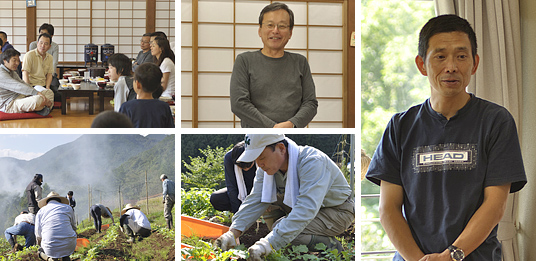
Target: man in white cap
(134,223)
(168,194)
(305,183)
(55,228)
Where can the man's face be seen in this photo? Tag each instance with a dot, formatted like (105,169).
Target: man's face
(43,45)
(449,64)
(272,161)
(13,63)
(145,43)
(275,30)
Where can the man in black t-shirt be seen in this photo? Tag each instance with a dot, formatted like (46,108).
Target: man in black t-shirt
(445,167)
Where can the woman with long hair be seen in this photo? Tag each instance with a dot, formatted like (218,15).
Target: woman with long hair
(165,59)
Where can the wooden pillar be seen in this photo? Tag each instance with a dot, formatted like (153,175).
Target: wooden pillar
(31,31)
(150,19)
(349,120)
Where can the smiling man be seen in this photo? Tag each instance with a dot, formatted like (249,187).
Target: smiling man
(37,67)
(305,184)
(271,87)
(445,167)
(16,96)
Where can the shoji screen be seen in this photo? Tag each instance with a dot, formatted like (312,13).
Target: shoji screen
(77,23)
(165,19)
(214,32)
(13,23)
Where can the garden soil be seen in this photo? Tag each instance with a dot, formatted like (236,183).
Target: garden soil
(120,249)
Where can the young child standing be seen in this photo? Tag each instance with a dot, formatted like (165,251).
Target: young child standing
(146,112)
(120,71)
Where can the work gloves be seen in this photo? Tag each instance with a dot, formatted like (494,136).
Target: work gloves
(227,241)
(261,249)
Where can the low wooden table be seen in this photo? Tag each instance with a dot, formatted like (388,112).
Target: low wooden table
(87,89)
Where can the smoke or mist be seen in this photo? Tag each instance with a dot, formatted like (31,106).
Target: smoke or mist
(84,166)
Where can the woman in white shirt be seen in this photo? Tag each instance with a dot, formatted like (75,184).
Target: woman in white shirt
(165,58)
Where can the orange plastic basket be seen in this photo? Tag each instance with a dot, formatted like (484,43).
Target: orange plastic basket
(200,228)
(81,242)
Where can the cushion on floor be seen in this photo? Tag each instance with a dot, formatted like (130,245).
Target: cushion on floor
(17,116)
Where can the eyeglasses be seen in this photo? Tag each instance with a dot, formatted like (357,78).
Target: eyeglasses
(281,27)
(145,42)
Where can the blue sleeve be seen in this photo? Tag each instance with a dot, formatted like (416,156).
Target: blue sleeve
(385,164)
(164,186)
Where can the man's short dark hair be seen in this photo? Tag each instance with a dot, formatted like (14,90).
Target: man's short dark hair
(48,27)
(159,34)
(149,76)
(122,64)
(45,35)
(147,34)
(70,193)
(445,24)
(3,34)
(274,7)
(111,119)
(7,54)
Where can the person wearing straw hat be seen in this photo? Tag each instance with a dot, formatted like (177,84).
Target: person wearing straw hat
(97,211)
(168,195)
(305,183)
(134,223)
(55,228)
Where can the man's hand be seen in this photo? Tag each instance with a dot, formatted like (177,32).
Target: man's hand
(443,256)
(227,241)
(261,249)
(285,124)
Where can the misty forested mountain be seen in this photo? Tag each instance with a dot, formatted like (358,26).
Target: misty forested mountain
(97,163)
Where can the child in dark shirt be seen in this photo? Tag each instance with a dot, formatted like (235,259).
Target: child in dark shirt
(146,112)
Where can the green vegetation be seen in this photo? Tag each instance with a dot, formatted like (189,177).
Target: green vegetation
(390,83)
(111,243)
(204,173)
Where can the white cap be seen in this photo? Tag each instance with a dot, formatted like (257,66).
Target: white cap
(255,144)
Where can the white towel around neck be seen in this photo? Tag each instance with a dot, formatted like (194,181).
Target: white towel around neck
(242,191)
(292,185)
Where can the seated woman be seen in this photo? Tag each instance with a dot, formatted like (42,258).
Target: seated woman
(120,71)
(165,59)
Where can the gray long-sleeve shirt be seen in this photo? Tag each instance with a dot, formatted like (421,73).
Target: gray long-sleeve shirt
(11,86)
(266,91)
(321,184)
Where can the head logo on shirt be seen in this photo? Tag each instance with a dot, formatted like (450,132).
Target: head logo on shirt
(441,157)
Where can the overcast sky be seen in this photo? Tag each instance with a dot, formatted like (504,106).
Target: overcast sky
(29,146)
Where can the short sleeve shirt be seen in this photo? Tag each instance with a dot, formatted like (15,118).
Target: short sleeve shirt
(37,67)
(444,165)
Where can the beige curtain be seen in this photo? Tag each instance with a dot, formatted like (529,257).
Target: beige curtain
(498,78)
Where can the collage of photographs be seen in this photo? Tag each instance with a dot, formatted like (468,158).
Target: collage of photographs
(266,130)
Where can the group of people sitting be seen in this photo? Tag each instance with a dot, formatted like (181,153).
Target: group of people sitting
(32,88)
(53,228)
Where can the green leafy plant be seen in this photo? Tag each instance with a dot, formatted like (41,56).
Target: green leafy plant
(205,171)
(196,203)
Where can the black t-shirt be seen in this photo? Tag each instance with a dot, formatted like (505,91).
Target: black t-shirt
(444,166)
(148,113)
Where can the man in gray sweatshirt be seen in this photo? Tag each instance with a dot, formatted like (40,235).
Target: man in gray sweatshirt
(16,96)
(271,87)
